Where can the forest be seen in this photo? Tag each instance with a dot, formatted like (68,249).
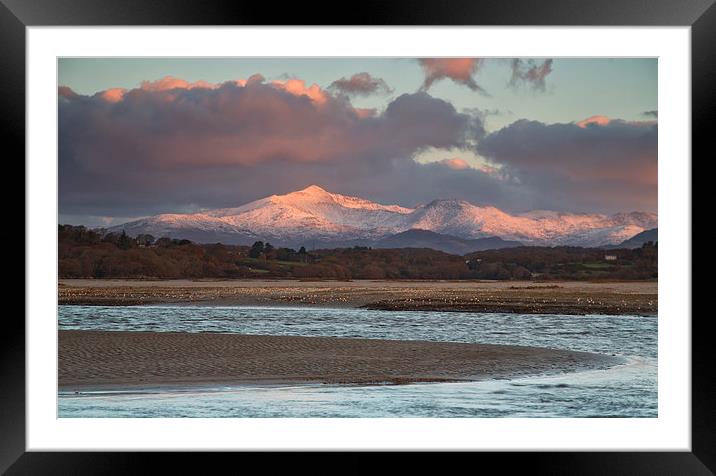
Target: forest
(86,253)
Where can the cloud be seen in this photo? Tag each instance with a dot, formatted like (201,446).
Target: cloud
(293,86)
(175,146)
(593,120)
(167,144)
(456,164)
(63,92)
(654,114)
(531,73)
(360,84)
(459,70)
(168,83)
(594,164)
(112,95)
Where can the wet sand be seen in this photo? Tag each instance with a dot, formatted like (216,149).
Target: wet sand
(96,360)
(528,297)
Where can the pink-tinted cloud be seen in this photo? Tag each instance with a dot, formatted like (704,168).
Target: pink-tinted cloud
(459,70)
(298,87)
(456,164)
(66,93)
(596,120)
(168,149)
(211,145)
(462,164)
(112,95)
(360,84)
(365,112)
(168,83)
(600,120)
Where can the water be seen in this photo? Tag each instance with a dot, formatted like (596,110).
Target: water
(628,390)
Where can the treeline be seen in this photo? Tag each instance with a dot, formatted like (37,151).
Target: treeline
(566,263)
(85,253)
(402,263)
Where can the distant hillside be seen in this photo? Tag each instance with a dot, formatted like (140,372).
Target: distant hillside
(417,238)
(638,240)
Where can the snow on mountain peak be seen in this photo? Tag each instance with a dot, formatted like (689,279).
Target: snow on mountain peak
(314,196)
(316,214)
(312,189)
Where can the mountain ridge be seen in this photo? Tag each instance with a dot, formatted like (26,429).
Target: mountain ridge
(417,238)
(314,215)
(638,240)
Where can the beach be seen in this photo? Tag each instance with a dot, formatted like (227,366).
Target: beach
(95,360)
(524,297)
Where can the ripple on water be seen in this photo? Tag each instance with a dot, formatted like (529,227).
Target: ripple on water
(628,390)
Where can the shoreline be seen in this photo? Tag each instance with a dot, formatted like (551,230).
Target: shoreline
(129,360)
(525,297)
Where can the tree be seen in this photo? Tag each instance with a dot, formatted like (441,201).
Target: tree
(286,254)
(145,239)
(372,271)
(256,249)
(164,242)
(124,242)
(269,251)
(520,272)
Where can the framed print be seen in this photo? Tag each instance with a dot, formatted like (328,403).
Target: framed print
(429,230)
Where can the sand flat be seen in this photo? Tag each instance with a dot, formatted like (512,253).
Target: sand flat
(105,360)
(617,286)
(525,297)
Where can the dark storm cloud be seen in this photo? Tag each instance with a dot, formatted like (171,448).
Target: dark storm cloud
(531,73)
(597,164)
(171,144)
(360,84)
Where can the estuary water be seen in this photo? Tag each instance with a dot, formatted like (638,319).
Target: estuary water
(626,390)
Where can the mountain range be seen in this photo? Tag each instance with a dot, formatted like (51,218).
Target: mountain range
(638,240)
(314,217)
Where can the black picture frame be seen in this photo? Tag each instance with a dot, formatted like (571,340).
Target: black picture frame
(16,15)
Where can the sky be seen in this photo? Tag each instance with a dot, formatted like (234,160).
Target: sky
(141,136)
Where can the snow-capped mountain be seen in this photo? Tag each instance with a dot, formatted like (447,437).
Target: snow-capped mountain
(315,216)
